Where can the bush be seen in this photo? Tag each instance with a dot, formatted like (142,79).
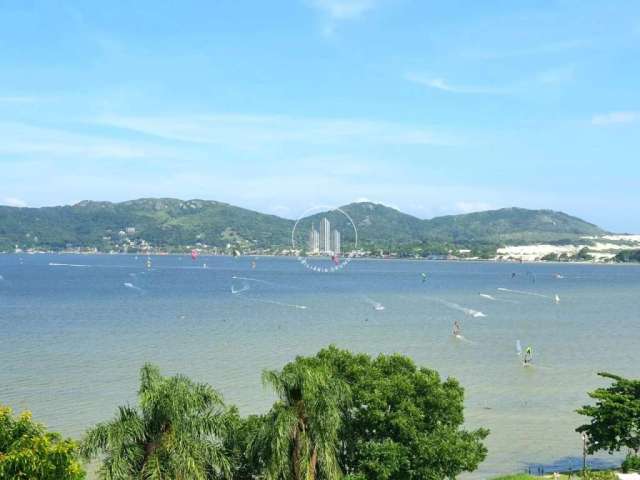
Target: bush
(29,451)
(631,463)
(600,475)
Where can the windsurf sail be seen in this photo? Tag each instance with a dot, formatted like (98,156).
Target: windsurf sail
(194,255)
(518,347)
(424,277)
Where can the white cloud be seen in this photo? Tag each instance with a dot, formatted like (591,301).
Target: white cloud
(337,11)
(542,49)
(342,9)
(19,139)
(13,202)
(442,84)
(468,207)
(613,118)
(252,131)
(18,99)
(549,77)
(556,76)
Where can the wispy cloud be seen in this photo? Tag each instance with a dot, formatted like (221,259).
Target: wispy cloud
(443,85)
(614,118)
(23,139)
(553,76)
(252,131)
(534,50)
(556,76)
(18,99)
(468,207)
(342,9)
(337,11)
(13,202)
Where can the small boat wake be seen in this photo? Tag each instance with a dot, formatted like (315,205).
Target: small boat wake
(74,265)
(238,292)
(467,311)
(264,282)
(376,305)
(495,299)
(244,288)
(488,297)
(523,292)
(463,339)
(131,286)
(273,302)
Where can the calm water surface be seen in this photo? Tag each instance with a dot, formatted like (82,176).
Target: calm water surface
(72,338)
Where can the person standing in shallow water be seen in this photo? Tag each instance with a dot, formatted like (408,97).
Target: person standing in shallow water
(528,355)
(456,328)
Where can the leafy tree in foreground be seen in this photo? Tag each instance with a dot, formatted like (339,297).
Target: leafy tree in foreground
(28,451)
(404,423)
(615,418)
(247,463)
(298,439)
(174,434)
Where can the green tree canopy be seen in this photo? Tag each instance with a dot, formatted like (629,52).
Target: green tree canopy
(404,422)
(615,418)
(28,451)
(298,439)
(176,433)
(397,422)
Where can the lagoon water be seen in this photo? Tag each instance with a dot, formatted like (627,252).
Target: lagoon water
(73,335)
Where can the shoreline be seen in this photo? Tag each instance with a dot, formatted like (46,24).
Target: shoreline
(376,258)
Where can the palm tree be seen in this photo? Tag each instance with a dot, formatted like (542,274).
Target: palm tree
(174,434)
(299,438)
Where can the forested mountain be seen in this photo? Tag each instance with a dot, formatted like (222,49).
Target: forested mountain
(166,222)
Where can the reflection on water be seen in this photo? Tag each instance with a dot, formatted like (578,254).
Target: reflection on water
(76,329)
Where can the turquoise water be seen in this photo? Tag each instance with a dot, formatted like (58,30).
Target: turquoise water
(72,338)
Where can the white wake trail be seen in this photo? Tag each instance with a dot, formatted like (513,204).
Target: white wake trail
(488,297)
(522,292)
(53,264)
(274,302)
(133,287)
(240,290)
(467,311)
(376,305)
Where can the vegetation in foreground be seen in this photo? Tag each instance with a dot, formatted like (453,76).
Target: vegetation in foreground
(615,418)
(337,415)
(28,451)
(588,475)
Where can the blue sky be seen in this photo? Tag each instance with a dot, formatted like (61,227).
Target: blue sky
(431,107)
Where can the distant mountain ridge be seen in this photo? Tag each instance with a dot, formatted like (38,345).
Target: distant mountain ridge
(168,222)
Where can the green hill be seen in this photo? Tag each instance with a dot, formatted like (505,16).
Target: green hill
(509,225)
(162,222)
(382,225)
(171,223)
(375,224)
